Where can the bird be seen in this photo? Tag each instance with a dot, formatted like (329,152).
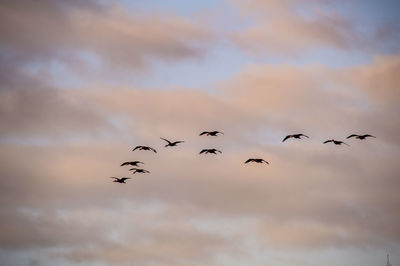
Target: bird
(337,142)
(256,160)
(296,136)
(360,136)
(144,148)
(171,144)
(214,151)
(211,133)
(138,170)
(120,180)
(135,163)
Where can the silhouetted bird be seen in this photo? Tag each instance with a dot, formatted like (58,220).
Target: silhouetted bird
(296,136)
(337,142)
(144,148)
(361,136)
(135,163)
(257,160)
(214,151)
(210,133)
(138,170)
(120,180)
(171,144)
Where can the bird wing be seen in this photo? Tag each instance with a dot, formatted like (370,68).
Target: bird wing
(304,135)
(218,151)
(124,178)
(249,160)
(152,149)
(132,169)
(137,147)
(203,151)
(327,141)
(368,135)
(177,142)
(352,135)
(265,161)
(345,143)
(114,177)
(169,142)
(202,133)
(125,163)
(288,136)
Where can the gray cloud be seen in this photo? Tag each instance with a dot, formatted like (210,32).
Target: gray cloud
(49,30)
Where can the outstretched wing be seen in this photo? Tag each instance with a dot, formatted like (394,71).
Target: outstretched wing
(152,149)
(203,151)
(133,169)
(218,151)
(328,141)
(368,135)
(169,142)
(352,135)
(265,161)
(137,147)
(202,133)
(220,132)
(177,142)
(288,136)
(124,178)
(113,177)
(345,143)
(303,135)
(125,163)
(249,160)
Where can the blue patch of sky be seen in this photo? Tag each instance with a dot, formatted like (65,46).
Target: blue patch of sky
(184,8)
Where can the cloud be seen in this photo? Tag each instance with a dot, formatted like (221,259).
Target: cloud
(185,212)
(49,30)
(295,28)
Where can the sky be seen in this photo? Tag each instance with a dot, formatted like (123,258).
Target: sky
(84,82)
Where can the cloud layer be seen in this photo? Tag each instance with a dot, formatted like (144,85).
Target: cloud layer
(314,204)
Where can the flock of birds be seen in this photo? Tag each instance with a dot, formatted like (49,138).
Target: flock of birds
(136,164)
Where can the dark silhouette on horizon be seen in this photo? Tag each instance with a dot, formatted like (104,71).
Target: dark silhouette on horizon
(256,160)
(138,170)
(214,151)
(296,136)
(120,180)
(134,163)
(360,136)
(337,142)
(144,148)
(211,133)
(172,144)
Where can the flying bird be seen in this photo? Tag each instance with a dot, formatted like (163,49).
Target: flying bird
(337,142)
(138,170)
(120,180)
(171,144)
(144,148)
(214,151)
(296,136)
(211,133)
(256,160)
(360,136)
(135,163)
